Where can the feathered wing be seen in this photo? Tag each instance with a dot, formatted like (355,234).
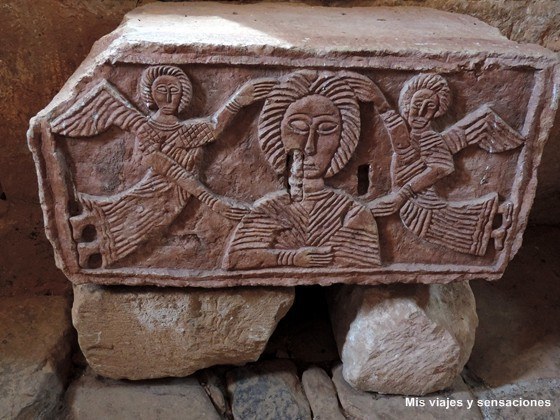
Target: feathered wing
(98,110)
(486,129)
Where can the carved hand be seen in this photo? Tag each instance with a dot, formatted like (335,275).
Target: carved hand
(367,91)
(387,205)
(231,209)
(378,99)
(313,256)
(254,90)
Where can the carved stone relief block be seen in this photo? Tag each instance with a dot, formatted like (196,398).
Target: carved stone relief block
(217,145)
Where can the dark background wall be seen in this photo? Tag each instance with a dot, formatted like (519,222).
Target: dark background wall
(44,41)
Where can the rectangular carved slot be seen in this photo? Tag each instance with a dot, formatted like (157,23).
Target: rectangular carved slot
(2,194)
(289,163)
(363,179)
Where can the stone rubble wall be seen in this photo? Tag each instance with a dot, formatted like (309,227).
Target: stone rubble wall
(43,43)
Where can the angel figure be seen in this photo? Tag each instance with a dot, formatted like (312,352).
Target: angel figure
(171,148)
(422,156)
(308,130)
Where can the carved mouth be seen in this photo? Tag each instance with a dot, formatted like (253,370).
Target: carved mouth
(167,109)
(419,122)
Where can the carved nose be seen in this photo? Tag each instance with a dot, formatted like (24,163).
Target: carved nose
(311,145)
(169,96)
(423,109)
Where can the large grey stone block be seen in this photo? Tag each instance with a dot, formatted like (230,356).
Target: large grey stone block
(140,333)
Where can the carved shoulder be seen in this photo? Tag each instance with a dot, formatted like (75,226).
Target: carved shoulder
(196,133)
(435,153)
(430,139)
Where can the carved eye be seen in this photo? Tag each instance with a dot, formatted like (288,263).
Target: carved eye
(174,89)
(161,89)
(299,126)
(327,127)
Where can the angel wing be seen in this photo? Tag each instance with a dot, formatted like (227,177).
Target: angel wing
(485,128)
(98,110)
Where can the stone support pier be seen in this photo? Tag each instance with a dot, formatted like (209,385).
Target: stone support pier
(403,339)
(154,333)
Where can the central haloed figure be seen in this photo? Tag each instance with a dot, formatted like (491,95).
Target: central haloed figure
(308,130)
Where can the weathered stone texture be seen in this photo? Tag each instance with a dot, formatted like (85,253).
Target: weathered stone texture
(536,399)
(518,338)
(96,398)
(35,345)
(533,21)
(267,391)
(37,56)
(215,386)
(404,339)
(321,394)
(359,405)
(140,333)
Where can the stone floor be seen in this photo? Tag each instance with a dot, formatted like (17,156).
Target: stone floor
(516,359)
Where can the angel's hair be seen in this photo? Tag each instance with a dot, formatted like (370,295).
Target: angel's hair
(433,82)
(298,85)
(152,73)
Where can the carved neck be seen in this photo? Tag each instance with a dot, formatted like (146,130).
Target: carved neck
(313,185)
(166,119)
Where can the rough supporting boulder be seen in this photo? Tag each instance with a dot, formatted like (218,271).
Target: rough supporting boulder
(404,339)
(141,333)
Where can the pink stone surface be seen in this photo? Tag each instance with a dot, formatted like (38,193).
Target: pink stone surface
(213,145)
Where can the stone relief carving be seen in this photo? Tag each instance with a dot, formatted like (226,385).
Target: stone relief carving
(308,130)
(111,227)
(273,153)
(313,129)
(423,156)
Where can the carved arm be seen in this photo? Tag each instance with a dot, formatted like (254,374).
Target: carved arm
(267,257)
(252,91)
(167,167)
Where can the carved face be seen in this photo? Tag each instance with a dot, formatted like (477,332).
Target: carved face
(424,105)
(167,92)
(313,125)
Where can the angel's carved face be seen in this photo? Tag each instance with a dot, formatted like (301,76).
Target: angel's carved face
(313,125)
(423,107)
(167,92)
